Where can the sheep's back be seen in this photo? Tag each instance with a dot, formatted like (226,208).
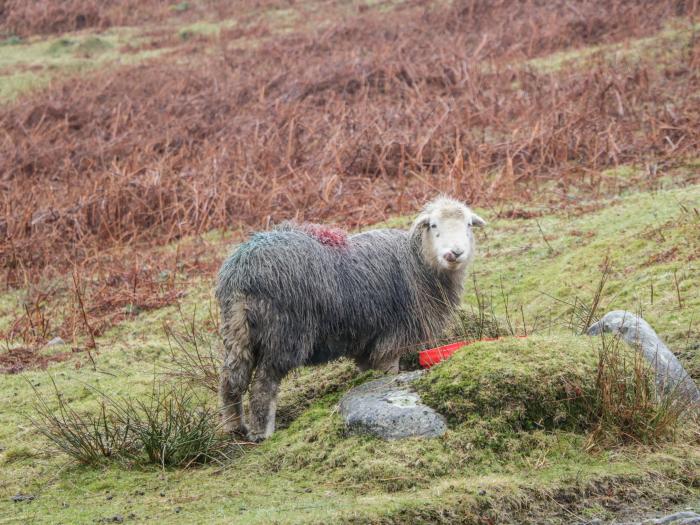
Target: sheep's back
(288,269)
(364,286)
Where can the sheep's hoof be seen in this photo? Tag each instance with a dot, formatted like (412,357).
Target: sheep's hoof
(255,437)
(238,433)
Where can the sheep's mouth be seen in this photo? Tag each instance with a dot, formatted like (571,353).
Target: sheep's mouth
(451,265)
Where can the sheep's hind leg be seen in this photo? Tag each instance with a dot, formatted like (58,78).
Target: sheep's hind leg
(363,363)
(236,371)
(233,384)
(263,403)
(231,406)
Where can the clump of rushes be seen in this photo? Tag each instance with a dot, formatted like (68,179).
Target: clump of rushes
(630,408)
(89,438)
(173,428)
(169,427)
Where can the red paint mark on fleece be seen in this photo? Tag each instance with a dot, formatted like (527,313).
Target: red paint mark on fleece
(327,236)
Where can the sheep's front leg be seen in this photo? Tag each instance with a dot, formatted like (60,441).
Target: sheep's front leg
(390,366)
(363,362)
(263,404)
(383,358)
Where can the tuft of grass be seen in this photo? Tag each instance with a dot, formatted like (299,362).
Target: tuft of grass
(170,427)
(630,408)
(173,427)
(89,438)
(195,354)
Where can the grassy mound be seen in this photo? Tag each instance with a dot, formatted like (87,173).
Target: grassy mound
(526,384)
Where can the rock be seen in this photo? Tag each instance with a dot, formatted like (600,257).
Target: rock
(17,498)
(56,341)
(670,374)
(678,516)
(390,409)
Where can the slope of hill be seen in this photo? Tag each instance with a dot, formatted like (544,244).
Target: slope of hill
(484,468)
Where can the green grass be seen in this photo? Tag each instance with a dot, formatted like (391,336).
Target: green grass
(671,39)
(517,446)
(34,63)
(652,240)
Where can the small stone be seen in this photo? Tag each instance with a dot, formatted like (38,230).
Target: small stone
(178,510)
(162,494)
(109,496)
(17,498)
(118,518)
(56,341)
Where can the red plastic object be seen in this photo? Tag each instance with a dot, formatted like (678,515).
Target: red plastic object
(433,356)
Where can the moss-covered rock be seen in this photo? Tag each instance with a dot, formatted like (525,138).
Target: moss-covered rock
(525,384)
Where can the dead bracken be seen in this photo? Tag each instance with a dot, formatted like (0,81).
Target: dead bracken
(150,153)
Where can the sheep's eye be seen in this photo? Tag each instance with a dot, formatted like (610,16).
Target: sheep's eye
(433,225)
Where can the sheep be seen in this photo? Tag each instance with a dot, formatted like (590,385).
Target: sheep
(305,294)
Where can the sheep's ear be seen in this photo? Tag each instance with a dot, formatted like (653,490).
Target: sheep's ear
(421,222)
(478,221)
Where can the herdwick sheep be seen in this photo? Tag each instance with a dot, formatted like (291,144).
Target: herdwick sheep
(304,294)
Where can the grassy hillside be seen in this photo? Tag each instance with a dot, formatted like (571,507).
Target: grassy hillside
(141,138)
(501,459)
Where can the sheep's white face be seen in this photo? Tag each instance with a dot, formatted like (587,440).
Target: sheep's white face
(448,240)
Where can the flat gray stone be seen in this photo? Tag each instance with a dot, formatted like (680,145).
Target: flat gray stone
(677,518)
(56,341)
(670,374)
(389,408)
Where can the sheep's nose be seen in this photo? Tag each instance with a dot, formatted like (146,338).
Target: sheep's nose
(452,255)
(457,253)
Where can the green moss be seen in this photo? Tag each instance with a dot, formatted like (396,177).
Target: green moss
(525,384)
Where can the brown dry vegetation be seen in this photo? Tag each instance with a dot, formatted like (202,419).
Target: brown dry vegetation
(42,17)
(15,360)
(350,123)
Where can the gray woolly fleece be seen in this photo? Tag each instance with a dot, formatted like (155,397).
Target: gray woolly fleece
(373,298)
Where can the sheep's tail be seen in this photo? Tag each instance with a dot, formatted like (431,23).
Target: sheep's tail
(238,364)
